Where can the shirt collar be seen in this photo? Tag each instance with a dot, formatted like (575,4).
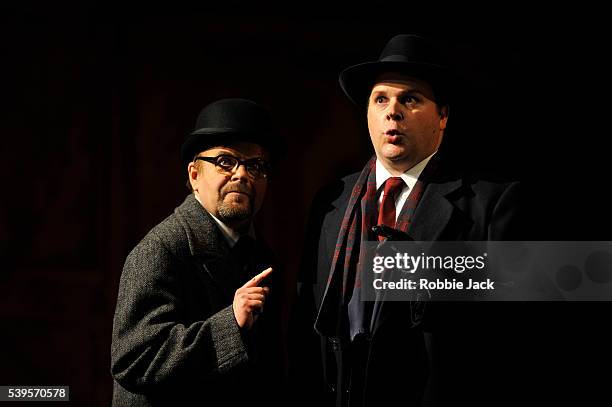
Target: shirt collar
(410,177)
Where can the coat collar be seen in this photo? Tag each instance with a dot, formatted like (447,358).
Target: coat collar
(203,235)
(434,210)
(207,245)
(210,250)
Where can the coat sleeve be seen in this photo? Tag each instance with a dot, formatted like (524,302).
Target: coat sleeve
(152,344)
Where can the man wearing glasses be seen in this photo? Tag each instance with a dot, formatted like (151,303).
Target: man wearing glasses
(196,317)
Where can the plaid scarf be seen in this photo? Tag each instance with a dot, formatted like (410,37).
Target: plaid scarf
(345,277)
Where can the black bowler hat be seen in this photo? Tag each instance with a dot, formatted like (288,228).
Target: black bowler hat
(409,54)
(230,120)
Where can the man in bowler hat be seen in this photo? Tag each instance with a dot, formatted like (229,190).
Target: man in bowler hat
(196,317)
(412,189)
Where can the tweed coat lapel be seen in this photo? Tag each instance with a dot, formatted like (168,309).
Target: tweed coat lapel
(209,249)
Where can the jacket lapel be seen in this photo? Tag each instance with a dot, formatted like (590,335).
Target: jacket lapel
(434,211)
(210,251)
(431,217)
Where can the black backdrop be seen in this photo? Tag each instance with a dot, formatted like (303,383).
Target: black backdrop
(97,100)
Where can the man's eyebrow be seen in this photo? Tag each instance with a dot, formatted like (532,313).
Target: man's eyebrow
(239,156)
(406,92)
(409,92)
(222,151)
(379,91)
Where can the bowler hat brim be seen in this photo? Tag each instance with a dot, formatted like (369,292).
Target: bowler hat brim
(203,139)
(357,81)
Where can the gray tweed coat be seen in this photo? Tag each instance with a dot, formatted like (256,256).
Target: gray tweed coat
(175,339)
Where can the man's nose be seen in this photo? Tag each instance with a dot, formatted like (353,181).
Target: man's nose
(394,111)
(240,173)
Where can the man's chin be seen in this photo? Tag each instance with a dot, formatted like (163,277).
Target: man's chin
(396,158)
(394,152)
(235,211)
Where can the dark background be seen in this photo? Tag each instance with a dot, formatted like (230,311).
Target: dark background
(97,100)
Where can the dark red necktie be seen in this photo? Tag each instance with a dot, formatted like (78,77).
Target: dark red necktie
(386,213)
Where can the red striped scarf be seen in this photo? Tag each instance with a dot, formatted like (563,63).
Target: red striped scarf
(360,215)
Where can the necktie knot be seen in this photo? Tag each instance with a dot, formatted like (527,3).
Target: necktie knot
(392,186)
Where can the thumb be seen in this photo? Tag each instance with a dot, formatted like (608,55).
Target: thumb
(254,282)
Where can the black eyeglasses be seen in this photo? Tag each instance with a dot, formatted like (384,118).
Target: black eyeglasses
(255,167)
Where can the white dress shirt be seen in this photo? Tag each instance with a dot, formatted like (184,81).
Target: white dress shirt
(410,178)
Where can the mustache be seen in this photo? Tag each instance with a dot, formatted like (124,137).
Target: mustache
(237,188)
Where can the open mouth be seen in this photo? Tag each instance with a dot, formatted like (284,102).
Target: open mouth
(394,136)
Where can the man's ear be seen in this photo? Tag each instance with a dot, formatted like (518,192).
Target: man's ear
(192,172)
(444,111)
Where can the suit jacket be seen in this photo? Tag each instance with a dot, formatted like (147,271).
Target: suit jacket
(401,360)
(175,337)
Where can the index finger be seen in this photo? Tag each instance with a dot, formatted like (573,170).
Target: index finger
(254,282)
